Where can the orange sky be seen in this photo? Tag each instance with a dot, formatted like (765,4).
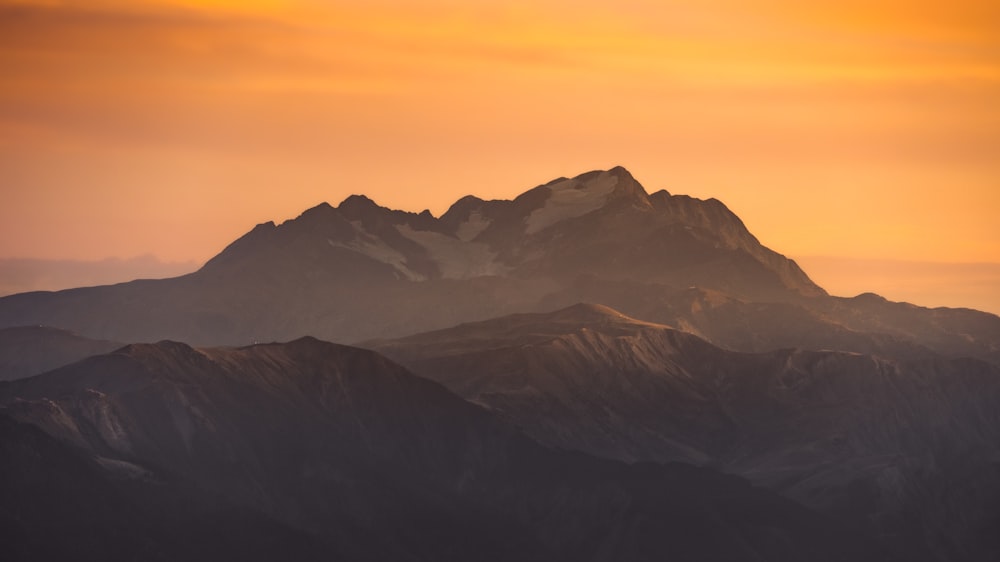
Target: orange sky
(861,129)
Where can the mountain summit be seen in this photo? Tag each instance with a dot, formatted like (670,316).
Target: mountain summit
(600,222)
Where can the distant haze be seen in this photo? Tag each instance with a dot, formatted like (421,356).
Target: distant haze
(19,275)
(930,284)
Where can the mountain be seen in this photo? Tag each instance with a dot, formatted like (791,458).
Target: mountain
(855,416)
(30,350)
(359,271)
(355,456)
(908,446)
(553,231)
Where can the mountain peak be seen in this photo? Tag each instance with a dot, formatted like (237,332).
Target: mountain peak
(622,174)
(619,179)
(575,197)
(629,188)
(356,203)
(460,209)
(322,210)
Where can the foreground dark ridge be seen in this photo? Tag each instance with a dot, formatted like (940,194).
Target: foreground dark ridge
(909,447)
(335,452)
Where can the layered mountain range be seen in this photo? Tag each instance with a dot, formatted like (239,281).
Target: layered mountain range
(712,404)
(317,450)
(906,446)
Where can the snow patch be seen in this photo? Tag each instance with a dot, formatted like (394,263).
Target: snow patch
(570,199)
(124,469)
(455,258)
(188,419)
(109,427)
(473,226)
(376,249)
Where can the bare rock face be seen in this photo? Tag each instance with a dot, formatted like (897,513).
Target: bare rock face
(338,453)
(909,448)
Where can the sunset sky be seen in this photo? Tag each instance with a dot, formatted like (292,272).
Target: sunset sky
(862,132)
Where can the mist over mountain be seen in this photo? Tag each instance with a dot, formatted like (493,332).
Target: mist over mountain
(363,459)
(360,271)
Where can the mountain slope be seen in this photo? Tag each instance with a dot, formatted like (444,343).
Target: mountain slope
(374,463)
(909,446)
(59,503)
